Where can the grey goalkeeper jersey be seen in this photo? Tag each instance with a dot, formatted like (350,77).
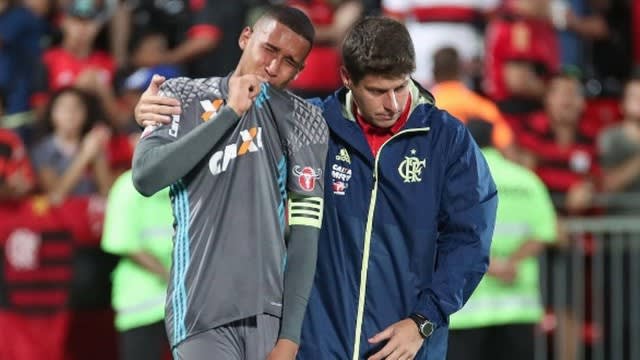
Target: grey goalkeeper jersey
(229,245)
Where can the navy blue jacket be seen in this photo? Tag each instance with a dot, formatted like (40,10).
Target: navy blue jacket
(407,231)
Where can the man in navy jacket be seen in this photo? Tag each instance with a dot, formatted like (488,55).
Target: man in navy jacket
(409,210)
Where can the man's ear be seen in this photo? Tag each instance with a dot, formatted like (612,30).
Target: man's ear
(346,78)
(245,35)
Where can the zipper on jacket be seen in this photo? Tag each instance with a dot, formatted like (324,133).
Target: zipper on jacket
(367,243)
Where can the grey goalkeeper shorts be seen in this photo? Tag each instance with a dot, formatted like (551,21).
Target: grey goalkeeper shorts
(246,339)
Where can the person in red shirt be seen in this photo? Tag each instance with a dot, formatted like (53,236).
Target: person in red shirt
(16,173)
(522,53)
(37,251)
(563,157)
(75,62)
(331,19)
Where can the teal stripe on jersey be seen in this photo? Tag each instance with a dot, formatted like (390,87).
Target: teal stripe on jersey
(263,95)
(175,304)
(181,259)
(282,185)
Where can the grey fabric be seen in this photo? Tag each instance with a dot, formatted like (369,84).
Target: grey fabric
(615,148)
(302,251)
(150,170)
(48,154)
(229,197)
(251,339)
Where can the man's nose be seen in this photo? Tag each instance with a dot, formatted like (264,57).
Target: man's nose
(391,101)
(273,67)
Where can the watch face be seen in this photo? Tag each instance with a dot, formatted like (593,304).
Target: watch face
(426,328)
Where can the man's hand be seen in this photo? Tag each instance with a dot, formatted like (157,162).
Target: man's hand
(284,350)
(95,141)
(404,341)
(580,196)
(504,270)
(242,91)
(153,109)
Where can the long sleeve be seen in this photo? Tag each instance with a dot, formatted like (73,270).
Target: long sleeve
(302,251)
(158,162)
(466,223)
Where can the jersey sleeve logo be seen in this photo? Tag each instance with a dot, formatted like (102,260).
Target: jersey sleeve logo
(307,177)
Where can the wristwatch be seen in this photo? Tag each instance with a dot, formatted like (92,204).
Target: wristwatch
(425,327)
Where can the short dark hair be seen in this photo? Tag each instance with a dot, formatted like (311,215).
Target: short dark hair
(446,64)
(378,45)
(292,18)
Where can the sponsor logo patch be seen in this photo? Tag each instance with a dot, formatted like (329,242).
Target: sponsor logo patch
(340,177)
(251,141)
(307,177)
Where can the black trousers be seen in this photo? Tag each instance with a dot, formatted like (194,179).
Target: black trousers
(145,342)
(505,342)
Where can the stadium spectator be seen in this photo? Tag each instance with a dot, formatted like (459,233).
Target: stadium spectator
(522,54)
(454,96)
(499,319)
(561,155)
(71,158)
(210,44)
(20,33)
(619,147)
(434,24)
(139,230)
(321,74)
(76,61)
(38,245)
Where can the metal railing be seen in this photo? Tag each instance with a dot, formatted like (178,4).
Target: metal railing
(591,288)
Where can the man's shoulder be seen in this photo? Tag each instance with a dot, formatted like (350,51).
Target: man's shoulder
(187,89)
(440,119)
(303,112)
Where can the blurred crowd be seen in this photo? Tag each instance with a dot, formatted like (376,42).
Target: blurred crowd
(556,78)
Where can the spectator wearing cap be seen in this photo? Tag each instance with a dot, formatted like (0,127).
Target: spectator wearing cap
(76,62)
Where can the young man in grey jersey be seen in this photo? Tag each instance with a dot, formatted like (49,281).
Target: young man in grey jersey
(241,150)
(409,210)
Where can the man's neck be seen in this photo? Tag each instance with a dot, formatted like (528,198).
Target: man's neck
(80,52)
(564,134)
